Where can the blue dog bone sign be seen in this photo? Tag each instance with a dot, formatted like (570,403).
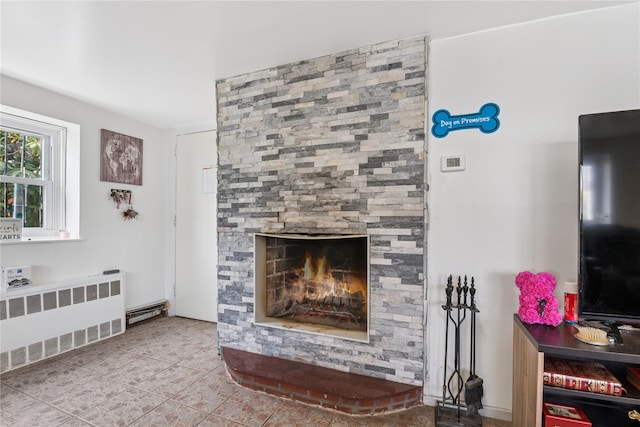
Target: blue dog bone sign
(486,120)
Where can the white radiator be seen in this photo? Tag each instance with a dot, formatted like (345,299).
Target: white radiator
(43,321)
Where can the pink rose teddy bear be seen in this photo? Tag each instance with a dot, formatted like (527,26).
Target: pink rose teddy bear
(537,302)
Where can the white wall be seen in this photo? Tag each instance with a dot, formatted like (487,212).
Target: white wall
(515,206)
(135,247)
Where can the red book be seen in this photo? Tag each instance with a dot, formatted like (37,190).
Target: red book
(564,416)
(633,376)
(580,375)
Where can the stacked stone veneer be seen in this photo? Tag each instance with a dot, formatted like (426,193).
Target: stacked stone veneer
(332,145)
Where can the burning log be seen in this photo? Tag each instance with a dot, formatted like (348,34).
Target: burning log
(358,299)
(316,295)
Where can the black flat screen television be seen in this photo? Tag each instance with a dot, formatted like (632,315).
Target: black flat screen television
(609,270)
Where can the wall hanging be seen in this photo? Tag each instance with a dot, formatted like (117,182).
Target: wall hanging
(123,197)
(486,120)
(130,214)
(120,158)
(120,196)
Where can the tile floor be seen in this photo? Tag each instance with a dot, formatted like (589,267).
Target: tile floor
(164,372)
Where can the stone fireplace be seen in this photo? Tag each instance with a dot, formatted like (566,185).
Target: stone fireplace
(315,284)
(328,148)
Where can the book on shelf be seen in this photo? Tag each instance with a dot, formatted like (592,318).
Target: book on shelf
(633,376)
(564,416)
(580,375)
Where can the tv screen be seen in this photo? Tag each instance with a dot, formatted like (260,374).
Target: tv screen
(609,271)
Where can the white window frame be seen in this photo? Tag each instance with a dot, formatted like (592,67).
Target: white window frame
(60,171)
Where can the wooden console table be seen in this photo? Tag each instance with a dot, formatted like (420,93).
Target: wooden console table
(532,343)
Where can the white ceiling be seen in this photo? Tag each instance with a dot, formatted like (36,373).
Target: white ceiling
(157,61)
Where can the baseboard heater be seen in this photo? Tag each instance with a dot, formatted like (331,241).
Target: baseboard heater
(138,314)
(42,321)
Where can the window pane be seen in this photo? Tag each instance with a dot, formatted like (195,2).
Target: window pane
(20,154)
(22,201)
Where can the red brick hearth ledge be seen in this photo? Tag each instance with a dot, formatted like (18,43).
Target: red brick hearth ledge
(342,391)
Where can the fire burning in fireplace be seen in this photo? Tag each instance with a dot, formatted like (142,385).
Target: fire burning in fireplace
(309,290)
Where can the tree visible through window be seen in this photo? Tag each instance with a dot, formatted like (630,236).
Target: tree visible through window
(21,157)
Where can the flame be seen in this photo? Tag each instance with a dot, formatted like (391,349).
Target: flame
(325,284)
(321,264)
(307,274)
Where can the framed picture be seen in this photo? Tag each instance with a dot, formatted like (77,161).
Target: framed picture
(564,416)
(120,158)
(10,229)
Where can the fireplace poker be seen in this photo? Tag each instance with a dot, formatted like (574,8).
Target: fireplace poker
(447,307)
(456,362)
(473,387)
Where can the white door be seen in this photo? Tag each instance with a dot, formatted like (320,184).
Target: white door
(196,240)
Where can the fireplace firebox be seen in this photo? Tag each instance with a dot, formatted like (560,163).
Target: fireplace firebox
(311,283)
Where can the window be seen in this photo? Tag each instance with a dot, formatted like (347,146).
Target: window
(34,172)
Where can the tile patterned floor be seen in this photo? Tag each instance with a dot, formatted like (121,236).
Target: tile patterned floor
(165,372)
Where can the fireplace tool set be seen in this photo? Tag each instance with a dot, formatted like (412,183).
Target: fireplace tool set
(451,412)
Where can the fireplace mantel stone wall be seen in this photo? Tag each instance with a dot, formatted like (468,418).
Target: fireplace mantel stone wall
(332,145)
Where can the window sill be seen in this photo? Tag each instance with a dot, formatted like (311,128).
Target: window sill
(33,240)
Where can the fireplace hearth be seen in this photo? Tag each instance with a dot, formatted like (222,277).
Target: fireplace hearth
(313,283)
